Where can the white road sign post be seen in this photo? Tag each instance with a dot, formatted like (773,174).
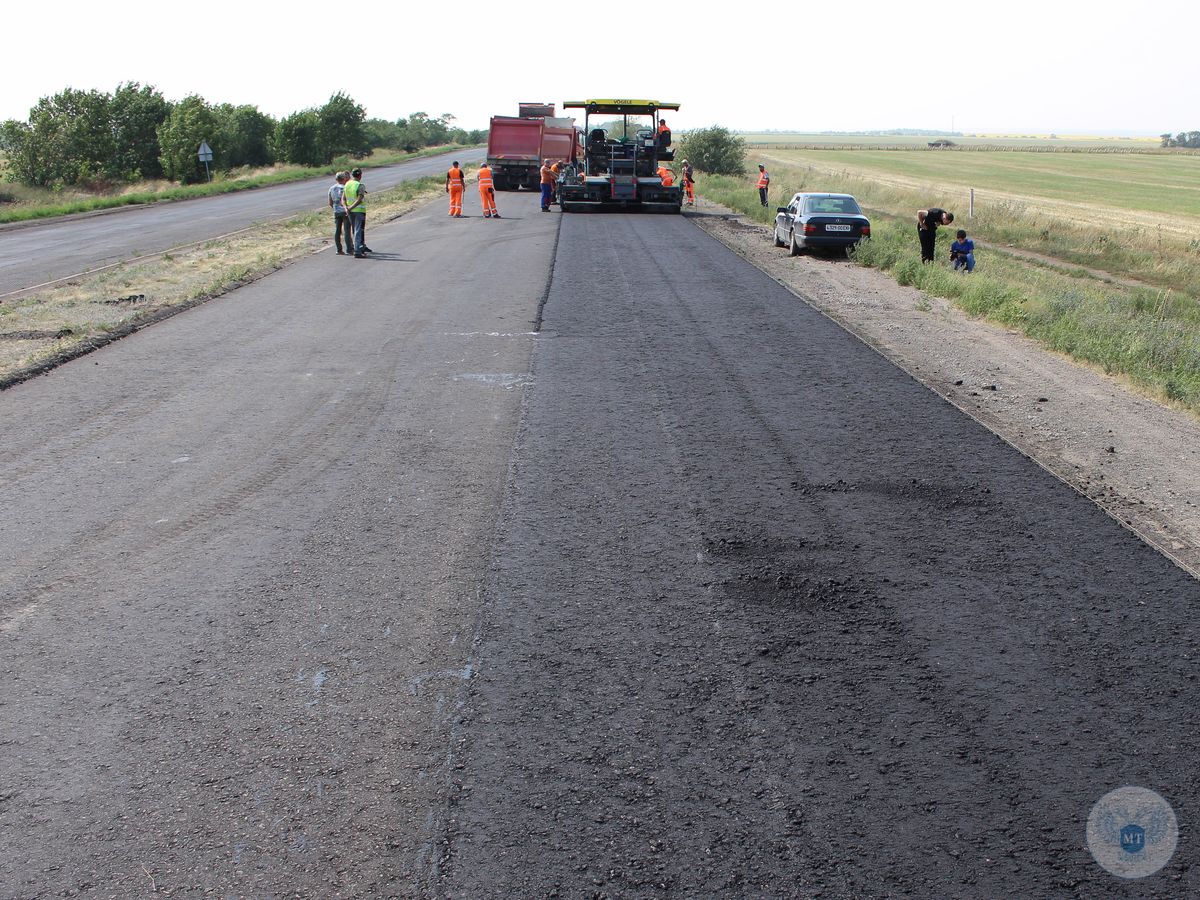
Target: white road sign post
(205,154)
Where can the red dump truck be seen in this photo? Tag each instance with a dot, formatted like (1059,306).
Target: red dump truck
(514,151)
(539,110)
(517,145)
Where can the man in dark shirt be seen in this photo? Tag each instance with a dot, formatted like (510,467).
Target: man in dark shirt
(928,221)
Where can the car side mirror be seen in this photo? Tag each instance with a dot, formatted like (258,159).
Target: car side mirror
(781,209)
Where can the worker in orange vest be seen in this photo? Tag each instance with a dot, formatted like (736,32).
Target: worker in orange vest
(664,134)
(454,187)
(764,181)
(547,185)
(487,193)
(689,183)
(667,176)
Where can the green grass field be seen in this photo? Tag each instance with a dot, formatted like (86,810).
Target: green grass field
(1012,141)
(1154,183)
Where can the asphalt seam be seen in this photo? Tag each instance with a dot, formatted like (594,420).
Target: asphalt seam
(537,320)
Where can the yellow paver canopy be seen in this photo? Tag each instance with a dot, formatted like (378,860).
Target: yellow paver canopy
(621,107)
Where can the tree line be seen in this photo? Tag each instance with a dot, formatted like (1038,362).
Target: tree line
(96,139)
(1183,139)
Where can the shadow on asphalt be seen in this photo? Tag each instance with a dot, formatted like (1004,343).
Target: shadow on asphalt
(389,257)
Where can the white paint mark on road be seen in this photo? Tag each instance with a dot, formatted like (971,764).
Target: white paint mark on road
(506,380)
(181,459)
(161,521)
(18,617)
(463,674)
(489,334)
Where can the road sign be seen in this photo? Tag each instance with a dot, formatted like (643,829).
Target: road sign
(205,152)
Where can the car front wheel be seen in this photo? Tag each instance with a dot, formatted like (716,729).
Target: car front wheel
(778,242)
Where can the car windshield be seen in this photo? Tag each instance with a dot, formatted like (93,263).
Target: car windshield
(832,206)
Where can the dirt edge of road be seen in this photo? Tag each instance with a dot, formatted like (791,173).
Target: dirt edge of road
(1136,459)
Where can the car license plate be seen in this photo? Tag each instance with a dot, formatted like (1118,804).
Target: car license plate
(837,227)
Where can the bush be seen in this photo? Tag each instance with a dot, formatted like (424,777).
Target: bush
(297,139)
(715,150)
(136,112)
(340,130)
(245,137)
(191,121)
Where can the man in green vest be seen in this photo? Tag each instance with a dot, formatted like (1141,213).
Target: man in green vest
(355,198)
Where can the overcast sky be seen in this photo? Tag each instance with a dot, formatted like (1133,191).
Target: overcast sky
(1020,66)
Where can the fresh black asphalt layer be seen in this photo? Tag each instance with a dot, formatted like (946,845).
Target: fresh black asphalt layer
(767,618)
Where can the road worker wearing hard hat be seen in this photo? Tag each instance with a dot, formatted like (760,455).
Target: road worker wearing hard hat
(689,183)
(487,192)
(454,187)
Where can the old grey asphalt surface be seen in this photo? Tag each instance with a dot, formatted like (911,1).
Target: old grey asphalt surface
(36,253)
(365,591)
(240,569)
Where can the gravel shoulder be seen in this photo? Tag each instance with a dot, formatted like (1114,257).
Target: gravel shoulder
(1137,459)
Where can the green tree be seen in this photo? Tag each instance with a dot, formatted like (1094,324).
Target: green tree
(340,130)
(296,139)
(135,113)
(245,136)
(714,149)
(191,121)
(71,135)
(381,133)
(21,161)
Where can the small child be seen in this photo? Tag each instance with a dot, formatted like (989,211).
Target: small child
(962,252)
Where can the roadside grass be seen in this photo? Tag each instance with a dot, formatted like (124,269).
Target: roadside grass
(33,203)
(1158,249)
(1150,336)
(1150,245)
(40,329)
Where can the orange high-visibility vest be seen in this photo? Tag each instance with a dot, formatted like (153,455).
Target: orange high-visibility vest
(547,175)
(664,173)
(485,177)
(763,179)
(456,177)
